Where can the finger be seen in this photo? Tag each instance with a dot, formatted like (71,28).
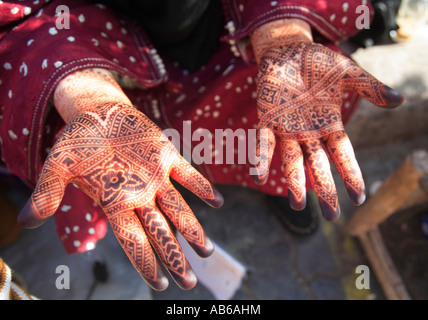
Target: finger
(130,234)
(264,151)
(294,172)
(45,198)
(167,246)
(321,178)
(342,154)
(369,87)
(176,209)
(190,178)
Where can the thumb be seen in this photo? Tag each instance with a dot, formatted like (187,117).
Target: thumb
(370,88)
(45,199)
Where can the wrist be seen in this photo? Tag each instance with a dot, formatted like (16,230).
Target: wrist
(84,91)
(279,32)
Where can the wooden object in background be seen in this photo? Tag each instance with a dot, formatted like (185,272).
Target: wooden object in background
(406,187)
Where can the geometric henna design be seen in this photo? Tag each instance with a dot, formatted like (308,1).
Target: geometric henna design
(128,230)
(292,159)
(299,96)
(321,178)
(166,246)
(185,174)
(340,149)
(119,158)
(179,213)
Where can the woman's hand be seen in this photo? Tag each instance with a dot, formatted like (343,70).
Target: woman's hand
(122,160)
(300,88)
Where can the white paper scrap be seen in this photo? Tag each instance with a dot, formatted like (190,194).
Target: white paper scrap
(220,273)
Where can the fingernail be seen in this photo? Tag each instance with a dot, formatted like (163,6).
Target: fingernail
(357,198)
(393,97)
(218,200)
(360,199)
(160,283)
(294,204)
(205,251)
(26,218)
(260,180)
(186,281)
(328,212)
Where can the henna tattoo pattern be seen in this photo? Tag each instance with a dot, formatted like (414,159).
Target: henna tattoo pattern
(300,88)
(118,157)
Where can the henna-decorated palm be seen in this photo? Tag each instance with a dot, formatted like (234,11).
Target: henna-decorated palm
(300,88)
(118,157)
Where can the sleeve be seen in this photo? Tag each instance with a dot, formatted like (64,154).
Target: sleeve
(333,20)
(39,45)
